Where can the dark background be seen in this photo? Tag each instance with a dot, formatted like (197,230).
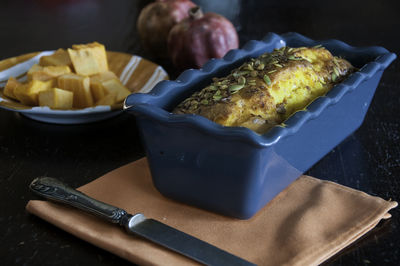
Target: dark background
(368,160)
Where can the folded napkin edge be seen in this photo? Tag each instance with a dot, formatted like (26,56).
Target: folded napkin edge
(348,189)
(353,234)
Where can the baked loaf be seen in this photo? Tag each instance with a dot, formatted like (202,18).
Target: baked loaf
(265,91)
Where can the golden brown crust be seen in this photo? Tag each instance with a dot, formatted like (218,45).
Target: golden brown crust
(265,91)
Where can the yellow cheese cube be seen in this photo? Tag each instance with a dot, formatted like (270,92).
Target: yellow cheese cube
(98,91)
(59,58)
(88,59)
(28,93)
(80,86)
(47,72)
(103,76)
(53,82)
(56,98)
(115,86)
(12,83)
(109,99)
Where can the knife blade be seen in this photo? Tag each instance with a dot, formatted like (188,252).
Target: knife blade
(150,229)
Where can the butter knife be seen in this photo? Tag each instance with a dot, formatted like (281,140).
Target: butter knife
(138,224)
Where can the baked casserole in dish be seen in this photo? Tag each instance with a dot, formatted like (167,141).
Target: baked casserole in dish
(220,162)
(265,91)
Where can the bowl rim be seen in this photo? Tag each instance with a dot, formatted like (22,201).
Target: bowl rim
(149,105)
(19,70)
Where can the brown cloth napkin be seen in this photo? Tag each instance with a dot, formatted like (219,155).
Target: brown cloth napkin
(304,225)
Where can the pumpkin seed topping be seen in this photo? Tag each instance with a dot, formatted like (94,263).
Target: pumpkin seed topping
(253,73)
(267,79)
(242,80)
(336,71)
(291,57)
(208,95)
(235,88)
(334,76)
(250,67)
(240,73)
(249,75)
(212,88)
(261,66)
(217,97)
(204,101)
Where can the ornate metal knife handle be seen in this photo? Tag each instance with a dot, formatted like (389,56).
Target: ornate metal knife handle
(137,224)
(56,190)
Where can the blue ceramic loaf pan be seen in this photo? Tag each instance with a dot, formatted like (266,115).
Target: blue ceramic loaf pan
(233,170)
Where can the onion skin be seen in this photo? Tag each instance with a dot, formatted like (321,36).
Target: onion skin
(156,20)
(200,37)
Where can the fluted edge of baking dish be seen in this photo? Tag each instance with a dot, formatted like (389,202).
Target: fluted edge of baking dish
(153,105)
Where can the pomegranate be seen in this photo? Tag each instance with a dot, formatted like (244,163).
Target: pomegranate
(156,20)
(196,39)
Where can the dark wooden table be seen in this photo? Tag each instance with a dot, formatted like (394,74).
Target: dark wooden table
(368,160)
